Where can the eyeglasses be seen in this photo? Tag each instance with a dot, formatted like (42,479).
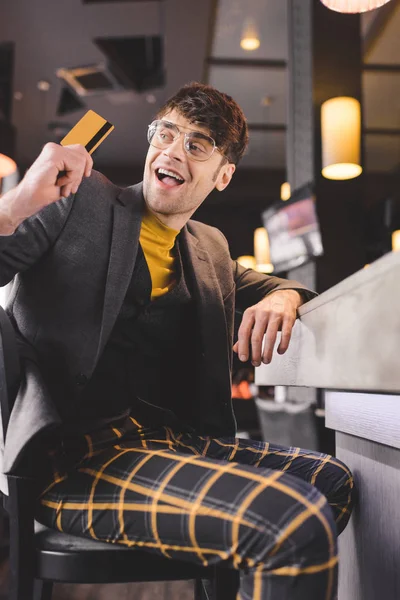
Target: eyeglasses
(198,146)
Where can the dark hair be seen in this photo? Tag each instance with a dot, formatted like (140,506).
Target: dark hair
(204,105)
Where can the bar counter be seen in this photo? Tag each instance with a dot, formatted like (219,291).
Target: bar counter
(347,342)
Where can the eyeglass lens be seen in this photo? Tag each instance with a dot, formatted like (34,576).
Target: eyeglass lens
(162,134)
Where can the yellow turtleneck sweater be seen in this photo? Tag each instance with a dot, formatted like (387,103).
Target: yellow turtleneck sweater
(157,241)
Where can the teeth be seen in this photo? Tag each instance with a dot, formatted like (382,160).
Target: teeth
(170,174)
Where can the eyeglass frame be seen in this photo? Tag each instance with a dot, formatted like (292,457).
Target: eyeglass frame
(185,133)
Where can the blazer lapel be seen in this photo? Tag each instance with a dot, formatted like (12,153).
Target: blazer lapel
(210,304)
(127,219)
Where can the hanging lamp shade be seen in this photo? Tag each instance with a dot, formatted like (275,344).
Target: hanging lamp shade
(250,38)
(261,251)
(353,6)
(341,138)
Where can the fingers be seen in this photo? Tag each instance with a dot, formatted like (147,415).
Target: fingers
(89,165)
(244,333)
(274,326)
(66,184)
(65,191)
(77,163)
(260,326)
(57,172)
(63,180)
(70,186)
(262,322)
(286,335)
(71,163)
(255,323)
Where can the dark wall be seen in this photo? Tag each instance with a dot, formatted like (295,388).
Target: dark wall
(236,223)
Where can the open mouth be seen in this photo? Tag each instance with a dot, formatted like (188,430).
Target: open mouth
(169,178)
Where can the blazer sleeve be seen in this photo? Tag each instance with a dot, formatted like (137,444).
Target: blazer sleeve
(32,239)
(251,286)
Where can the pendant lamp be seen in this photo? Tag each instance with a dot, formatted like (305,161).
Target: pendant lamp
(261,251)
(250,38)
(341,138)
(353,6)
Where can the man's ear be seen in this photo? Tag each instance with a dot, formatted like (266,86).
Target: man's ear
(225,176)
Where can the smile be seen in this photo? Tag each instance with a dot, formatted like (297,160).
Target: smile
(169,178)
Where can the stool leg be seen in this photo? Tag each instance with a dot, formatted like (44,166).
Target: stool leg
(22,556)
(200,592)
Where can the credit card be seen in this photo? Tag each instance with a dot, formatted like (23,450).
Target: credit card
(89,131)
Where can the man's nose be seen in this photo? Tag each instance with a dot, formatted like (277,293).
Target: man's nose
(176,149)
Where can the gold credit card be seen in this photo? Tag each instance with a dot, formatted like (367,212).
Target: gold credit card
(90,131)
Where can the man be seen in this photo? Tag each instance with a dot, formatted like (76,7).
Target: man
(124,309)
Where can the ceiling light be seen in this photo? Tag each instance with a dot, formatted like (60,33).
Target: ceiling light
(353,6)
(341,138)
(43,85)
(266,101)
(250,39)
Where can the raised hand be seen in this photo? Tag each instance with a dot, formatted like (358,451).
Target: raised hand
(57,172)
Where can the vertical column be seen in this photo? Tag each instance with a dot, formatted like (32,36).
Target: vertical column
(325,60)
(300,130)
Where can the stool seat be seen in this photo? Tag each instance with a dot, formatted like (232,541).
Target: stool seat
(67,558)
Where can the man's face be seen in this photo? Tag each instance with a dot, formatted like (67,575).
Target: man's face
(174,202)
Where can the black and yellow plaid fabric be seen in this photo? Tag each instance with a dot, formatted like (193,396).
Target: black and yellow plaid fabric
(272,511)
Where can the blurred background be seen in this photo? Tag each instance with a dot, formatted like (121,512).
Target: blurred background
(316,197)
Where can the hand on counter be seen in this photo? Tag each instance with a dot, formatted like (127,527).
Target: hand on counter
(276,312)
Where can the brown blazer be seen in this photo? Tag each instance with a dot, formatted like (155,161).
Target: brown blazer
(72,263)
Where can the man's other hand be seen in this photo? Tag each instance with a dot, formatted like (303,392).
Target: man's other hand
(276,312)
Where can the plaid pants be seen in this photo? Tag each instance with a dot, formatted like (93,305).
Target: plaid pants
(272,511)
